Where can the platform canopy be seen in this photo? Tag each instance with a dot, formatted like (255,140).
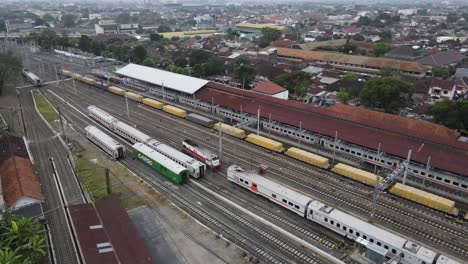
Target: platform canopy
(174,81)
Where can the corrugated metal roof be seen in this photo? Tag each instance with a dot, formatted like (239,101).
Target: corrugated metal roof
(174,81)
(355,125)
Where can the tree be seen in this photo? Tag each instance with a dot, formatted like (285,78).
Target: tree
(297,82)
(2,25)
(244,70)
(84,43)
(40,22)
(269,34)
(48,18)
(164,28)
(343,96)
(68,20)
(441,72)
(123,18)
(155,37)
(452,17)
(385,35)
(10,70)
(358,37)
(452,114)
(139,54)
(387,93)
(363,21)
(350,76)
(381,49)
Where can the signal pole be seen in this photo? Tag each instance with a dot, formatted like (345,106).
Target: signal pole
(126,103)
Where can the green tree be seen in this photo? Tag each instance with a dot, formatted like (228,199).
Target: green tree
(387,93)
(269,34)
(68,20)
(297,82)
(10,70)
(139,54)
(350,76)
(358,37)
(84,43)
(343,96)
(2,25)
(441,72)
(164,28)
(155,37)
(452,17)
(381,49)
(40,22)
(452,114)
(363,21)
(123,18)
(244,70)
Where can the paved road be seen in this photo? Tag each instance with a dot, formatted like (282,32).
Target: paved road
(45,144)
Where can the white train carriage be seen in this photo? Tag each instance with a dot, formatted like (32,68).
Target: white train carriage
(32,78)
(197,169)
(203,154)
(275,192)
(102,116)
(105,142)
(130,133)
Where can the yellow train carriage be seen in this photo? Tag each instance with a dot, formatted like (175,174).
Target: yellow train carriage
(174,111)
(356,174)
(230,130)
(423,197)
(308,157)
(67,73)
(134,96)
(116,90)
(88,80)
(152,103)
(265,142)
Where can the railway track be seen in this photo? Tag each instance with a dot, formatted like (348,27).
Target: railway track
(385,216)
(199,211)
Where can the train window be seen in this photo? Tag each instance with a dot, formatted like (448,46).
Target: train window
(296,206)
(241,180)
(338,225)
(353,152)
(359,154)
(311,212)
(423,173)
(291,204)
(344,228)
(403,255)
(371,158)
(415,171)
(431,176)
(246,182)
(439,178)
(364,236)
(332,222)
(273,195)
(447,180)
(389,163)
(455,183)
(372,240)
(358,234)
(385,246)
(284,201)
(332,146)
(464,186)
(393,251)
(365,156)
(379,244)
(347,150)
(351,231)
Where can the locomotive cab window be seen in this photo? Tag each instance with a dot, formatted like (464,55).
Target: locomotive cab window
(273,195)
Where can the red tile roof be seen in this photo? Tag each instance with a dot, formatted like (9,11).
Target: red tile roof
(282,43)
(128,245)
(356,125)
(268,87)
(18,180)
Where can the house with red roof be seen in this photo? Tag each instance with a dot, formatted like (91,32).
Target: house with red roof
(272,89)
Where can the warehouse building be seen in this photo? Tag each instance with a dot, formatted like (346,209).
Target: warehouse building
(159,81)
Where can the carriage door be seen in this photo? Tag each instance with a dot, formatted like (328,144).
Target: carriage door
(120,150)
(202,171)
(254,187)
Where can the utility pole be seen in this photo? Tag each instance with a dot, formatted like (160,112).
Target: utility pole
(61,122)
(74,85)
(212,106)
(108,183)
(220,139)
(334,148)
(269,124)
(164,94)
(300,132)
(126,103)
(378,155)
(407,165)
(427,170)
(374,199)
(258,121)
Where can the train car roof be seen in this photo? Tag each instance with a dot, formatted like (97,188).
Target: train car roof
(206,119)
(98,111)
(106,139)
(158,157)
(174,81)
(178,155)
(275,187)
(135,132)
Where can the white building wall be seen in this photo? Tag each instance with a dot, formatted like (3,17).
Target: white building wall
(283,95)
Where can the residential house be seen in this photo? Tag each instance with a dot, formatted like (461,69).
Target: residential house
(406,53)
(442,89)
(205,21)
(272,89)
(442,58)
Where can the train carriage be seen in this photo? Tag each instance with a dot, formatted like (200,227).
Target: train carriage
(308,157)
(170,169)
(102,116)
(265,142)
(105,142)
(230,130)
(287,198)
(32,78)
(174,111)
(134,96)
(201,120)
(196,168)
(203,154)
(130,133)
(153,103)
